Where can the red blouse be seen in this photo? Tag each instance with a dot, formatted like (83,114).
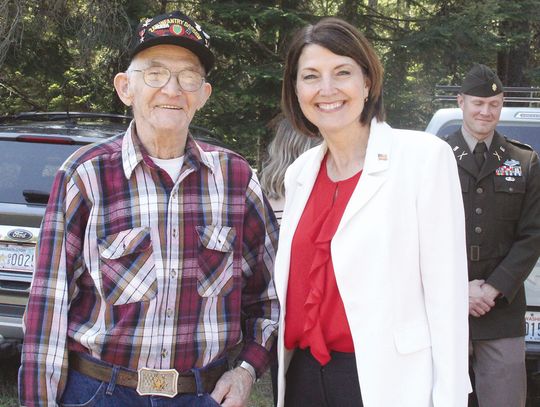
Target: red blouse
(315,316)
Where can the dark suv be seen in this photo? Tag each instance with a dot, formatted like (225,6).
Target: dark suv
(32,148)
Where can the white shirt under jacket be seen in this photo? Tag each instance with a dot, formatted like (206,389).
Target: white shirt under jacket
(400,262)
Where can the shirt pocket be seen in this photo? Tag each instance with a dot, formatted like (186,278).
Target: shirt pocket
(127,267)
(508,197)
(216,255)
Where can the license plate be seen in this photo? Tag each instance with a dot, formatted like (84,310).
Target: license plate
(532,323)
(17,258)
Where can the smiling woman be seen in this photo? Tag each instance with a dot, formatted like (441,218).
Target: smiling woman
(332,90)
(372,281)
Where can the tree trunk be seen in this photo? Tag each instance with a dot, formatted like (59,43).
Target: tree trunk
(349,11)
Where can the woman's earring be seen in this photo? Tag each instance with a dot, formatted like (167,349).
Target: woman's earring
(366,99)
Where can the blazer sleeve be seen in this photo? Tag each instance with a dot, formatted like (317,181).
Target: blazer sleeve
(443,266)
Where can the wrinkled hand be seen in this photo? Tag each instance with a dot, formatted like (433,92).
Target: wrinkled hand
(481,297)
(233,388)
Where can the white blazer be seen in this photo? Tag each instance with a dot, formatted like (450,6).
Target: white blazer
(400,262)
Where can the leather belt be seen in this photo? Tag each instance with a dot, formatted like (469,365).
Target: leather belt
(167,382)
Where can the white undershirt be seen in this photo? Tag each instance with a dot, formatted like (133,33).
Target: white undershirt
(171,166)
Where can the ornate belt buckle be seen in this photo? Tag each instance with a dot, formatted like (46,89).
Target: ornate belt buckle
(157,382)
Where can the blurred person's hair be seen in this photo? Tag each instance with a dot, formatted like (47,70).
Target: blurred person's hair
(343,39)
(284,148)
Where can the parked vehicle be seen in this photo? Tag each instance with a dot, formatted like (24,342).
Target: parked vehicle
(32,148)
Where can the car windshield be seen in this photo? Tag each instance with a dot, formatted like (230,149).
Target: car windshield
(526,133)
(29,167)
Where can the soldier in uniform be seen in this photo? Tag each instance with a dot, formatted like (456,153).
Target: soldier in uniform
(500,182)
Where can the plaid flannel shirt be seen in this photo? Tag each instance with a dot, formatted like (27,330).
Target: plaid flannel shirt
(139,271)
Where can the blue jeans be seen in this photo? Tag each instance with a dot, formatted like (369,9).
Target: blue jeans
(85,391)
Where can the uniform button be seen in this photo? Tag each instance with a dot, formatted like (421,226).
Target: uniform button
(164,353)
(479,190)
(173,273)
(169,312)
(174,232)
(510,189)
(478,211)
(478,229)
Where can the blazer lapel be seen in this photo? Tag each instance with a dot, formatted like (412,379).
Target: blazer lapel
(294,208)
(304,185)
(374,174)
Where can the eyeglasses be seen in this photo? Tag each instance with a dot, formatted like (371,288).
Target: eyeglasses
(157,77)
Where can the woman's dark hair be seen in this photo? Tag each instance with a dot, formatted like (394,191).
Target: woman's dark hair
(341,38)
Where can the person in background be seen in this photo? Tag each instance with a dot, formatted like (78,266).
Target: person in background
(155,256)
(284,148)
(371,271)
(500,183)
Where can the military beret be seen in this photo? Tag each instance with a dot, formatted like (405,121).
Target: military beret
(177,29)
(481,81)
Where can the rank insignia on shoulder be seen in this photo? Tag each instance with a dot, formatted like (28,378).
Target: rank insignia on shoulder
(519,144)
(510,168)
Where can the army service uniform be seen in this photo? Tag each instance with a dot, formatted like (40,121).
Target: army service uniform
(500,183)
(502,210)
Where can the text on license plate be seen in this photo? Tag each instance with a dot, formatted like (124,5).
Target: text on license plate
(18,258)
(532,324)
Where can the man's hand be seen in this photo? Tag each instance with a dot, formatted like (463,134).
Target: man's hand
(481,299)
(490,292)
(233,388)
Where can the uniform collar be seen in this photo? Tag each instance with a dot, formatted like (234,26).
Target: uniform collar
(497,154)
(473,141)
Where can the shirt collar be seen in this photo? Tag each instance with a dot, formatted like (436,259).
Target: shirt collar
(133,152)
(473,141)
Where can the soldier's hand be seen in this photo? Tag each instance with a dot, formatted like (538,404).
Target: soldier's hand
(479,302)
(490,292)
(233,388)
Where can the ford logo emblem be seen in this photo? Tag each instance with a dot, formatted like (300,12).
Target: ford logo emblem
(20,234)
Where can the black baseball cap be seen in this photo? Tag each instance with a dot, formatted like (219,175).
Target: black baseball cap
(481,81)
(177,29)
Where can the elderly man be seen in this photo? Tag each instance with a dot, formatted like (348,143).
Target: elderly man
(500,182)
(155,253)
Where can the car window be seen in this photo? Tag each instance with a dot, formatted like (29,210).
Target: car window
(526,133)
(29,166)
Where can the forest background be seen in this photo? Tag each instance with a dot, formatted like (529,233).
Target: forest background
(58,55)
